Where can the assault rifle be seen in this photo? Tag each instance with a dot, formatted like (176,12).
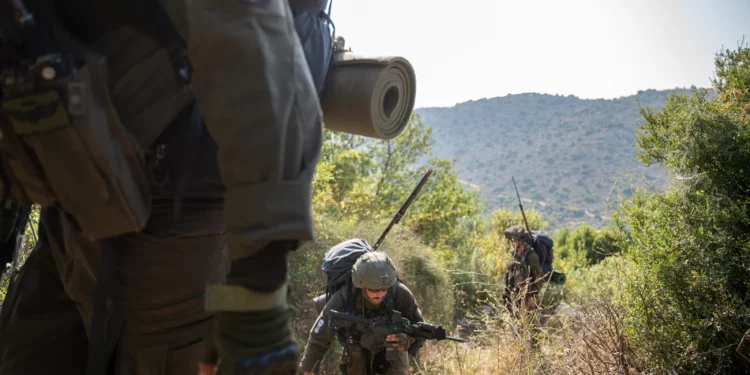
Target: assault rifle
(380,328)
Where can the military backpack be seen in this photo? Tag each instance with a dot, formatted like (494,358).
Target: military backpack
(337,264)
(544,246)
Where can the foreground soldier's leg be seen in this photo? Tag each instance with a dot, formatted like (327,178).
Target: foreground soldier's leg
(260,105)
(160,290)
(41,330)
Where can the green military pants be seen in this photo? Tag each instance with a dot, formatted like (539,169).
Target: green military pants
(159,287)
(361,361)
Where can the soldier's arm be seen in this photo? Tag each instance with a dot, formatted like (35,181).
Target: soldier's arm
(412,312)
(321,335)
(260,106)
(257,98)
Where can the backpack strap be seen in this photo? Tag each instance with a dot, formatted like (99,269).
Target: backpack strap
(349,295)
(390,299)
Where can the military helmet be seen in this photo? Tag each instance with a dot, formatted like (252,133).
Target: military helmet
(374,270)
(517,232)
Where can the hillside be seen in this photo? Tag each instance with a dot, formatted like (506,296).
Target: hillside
(566,153)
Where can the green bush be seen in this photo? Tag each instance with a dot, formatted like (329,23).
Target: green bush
(688,302)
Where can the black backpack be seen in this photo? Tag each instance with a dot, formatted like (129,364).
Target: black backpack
(313,26)
(544,247)
(337,264)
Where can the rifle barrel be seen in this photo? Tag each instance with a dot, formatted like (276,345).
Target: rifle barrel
(520,205)
(397,218)
(451,338)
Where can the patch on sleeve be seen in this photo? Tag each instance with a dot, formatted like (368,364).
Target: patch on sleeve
(319,325)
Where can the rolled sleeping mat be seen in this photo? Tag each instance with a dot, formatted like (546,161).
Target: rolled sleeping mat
(558,278)
(369,96)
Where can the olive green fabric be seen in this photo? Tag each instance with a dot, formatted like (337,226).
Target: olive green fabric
(122,97)
(240,298)
(523,273)
(261,109)
(159,292)
(360,361)
(244,336)
(374,270)
(321,335)
(260,106)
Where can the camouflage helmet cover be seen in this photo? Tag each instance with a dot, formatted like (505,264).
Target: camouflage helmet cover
(374,270)
(517,232)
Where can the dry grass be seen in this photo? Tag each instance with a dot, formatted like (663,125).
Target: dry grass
(585,339)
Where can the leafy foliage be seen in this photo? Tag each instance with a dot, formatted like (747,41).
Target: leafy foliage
(585,246)
(688,304)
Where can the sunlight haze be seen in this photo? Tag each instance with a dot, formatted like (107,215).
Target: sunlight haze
(473,49)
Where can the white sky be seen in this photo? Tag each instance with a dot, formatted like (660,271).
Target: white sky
(471,49)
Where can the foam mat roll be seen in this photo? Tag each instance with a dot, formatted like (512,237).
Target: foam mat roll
(369,96)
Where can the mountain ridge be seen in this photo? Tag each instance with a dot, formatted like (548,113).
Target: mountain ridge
(566,153)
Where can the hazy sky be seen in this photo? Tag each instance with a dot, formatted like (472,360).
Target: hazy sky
(472,49)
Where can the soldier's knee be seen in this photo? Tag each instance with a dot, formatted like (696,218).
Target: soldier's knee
(399,365)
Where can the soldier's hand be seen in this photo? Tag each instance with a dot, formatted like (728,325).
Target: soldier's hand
(399,341)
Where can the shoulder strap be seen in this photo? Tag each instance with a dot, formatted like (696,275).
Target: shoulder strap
(349,295)
(390,298)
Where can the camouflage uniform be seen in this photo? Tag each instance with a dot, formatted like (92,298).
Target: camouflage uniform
(248,202)
(522,279)
(356,359)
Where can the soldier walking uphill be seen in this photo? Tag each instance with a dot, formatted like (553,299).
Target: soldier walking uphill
(374,292)
(522,281)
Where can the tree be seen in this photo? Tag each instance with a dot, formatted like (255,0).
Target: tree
(691,244)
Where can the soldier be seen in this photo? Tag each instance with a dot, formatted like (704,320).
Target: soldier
(218,99)
(522,281)
(374,292)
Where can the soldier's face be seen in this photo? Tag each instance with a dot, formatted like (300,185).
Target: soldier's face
(518,245)
(376,295)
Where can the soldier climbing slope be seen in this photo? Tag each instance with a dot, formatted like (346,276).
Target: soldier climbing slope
(374,291)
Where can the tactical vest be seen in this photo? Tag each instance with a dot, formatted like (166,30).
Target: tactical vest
(351,340)
(349,297)
(78,118)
